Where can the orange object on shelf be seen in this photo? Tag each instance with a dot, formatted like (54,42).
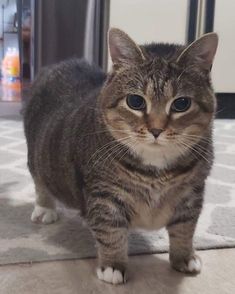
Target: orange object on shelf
(11,69)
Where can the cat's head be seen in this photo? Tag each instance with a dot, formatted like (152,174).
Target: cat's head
(159,106)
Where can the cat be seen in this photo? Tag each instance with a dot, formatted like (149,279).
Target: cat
(128,149)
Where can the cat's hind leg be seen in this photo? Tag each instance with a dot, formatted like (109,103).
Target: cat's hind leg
(45,207)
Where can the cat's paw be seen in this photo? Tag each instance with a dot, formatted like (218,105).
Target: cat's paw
(191,266)
(111,275)
(44,215)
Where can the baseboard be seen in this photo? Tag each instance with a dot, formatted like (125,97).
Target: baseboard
(226,105)
(10,110)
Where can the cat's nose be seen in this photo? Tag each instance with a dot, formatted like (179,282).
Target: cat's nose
(155,132)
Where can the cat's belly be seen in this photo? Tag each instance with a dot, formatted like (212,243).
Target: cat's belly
(152,218)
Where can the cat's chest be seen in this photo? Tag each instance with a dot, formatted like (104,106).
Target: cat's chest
(155,208)
(151,211)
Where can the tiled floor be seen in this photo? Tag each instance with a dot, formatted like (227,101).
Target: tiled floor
(149,274)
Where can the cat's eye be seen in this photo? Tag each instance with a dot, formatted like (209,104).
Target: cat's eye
(136,102)
(181,104)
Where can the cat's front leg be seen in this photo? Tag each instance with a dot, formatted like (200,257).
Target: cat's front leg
(110,229)
(113,258)
(182,254)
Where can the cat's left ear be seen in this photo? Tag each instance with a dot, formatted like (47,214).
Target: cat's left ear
(123,49)
(201,52)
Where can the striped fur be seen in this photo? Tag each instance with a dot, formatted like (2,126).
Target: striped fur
(75,125)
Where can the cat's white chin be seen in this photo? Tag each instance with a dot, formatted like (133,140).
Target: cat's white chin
(157,155)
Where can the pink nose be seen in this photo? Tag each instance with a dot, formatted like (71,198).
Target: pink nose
(155,132)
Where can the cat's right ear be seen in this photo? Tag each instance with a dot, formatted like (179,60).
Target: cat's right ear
(123,49)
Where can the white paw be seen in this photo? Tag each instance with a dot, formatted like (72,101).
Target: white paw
(194,265)
(191,266)
(44,215)
(111,275)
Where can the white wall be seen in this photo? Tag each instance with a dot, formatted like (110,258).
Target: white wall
(151,20)
(223,73)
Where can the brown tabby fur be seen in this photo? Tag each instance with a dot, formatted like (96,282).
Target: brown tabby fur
(90,151)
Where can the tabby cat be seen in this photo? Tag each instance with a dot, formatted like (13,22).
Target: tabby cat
(128,149)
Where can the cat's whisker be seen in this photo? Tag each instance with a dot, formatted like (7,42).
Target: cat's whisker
(196,137)
(181,149)
(129,145)
(203,151)
(112,156)
(194,150)
(125,152)
(107,151)
(195,140)
(103,153)
(98,155)
(186,144)
(184,149)
(117,151)
(121,154)
(220,110)
(111,153)
(100,150)
(103,147)
(200,138)
(201,148)
(103,157)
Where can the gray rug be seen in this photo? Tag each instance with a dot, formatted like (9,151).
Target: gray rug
(23,241)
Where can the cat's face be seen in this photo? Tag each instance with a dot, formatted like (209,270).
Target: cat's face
(158,108)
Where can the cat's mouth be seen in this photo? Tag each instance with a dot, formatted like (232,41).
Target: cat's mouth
(151,141)
(156,142)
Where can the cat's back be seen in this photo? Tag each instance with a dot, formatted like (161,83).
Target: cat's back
(61,88)
(68,81)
